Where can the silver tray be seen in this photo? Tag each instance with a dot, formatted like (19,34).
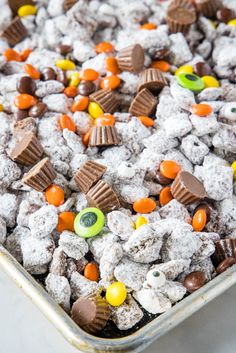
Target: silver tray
(133,343)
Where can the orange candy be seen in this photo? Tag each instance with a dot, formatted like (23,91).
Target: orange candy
(161,65)
(105,120)
(80,104)
(199,220)
(85,138)
(112,65)
(148,26)
(24,101)
(32,71)
(169,169)
(89,75)
(165,196)
(104,47)
(54,195)
(12,55)
(145,205)
(201,109)
(67,123)
(25,54)
(146,121)
(91,272)
(111,82)
(71,91)
(66,221)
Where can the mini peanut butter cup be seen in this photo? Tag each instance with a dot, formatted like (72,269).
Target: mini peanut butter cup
(151,79)
(41,175)
(88,175)
(186,4)
(67,4)
(16,4)
(28,150)
(103,197)
(131,58)
(208,7)
(15,32)
(225,264)
(143,103)
(224,249)
(106,98)
(103,136)
(91,313)
(187,189)
(179,19)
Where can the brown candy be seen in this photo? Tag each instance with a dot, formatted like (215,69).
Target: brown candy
(194,281)
(161,54)
(15,32)
(86,88)
(179,19)
(131,58)
(186,4)
(107,100)
(225,15)
(208,7)
(162,179)
(88,175)
(27,151)
(103,136)
(41,175)
(91,313)
(47,74)
(61,77)
(26,85)
(224,248)
(225,264)
(103,197)
(38,110)
(202,69)
(143,103)
(151,79)
(64,49)
(21,114)
(187,189)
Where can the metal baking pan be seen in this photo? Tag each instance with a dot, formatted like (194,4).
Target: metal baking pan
(133,343)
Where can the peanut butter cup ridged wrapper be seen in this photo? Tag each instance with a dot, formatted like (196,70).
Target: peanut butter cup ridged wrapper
(28,150)
(88,175)
(91,313)
(179,19)
(15,32)
(143,103)
(152,79)
(41,175)
(181,3)
(103,136)
(103,197)
(224,248)
(187,189)
(68,4)
(106,98)
(208,7)
(131,58)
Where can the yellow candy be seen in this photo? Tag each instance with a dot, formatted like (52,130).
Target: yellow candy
(233,165)
(27,10)
(116,294)
(140,221)
(185,69)
(65,64)
(232,22)
(210,81)
(74,79)
(95,110)
(1,108)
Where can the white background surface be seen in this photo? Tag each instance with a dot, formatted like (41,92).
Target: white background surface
(23,329)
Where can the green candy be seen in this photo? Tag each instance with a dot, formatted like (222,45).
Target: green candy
(190,81)
(89,222)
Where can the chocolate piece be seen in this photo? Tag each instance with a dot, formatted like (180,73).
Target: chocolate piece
(103,197)
(143,103)
(28,150)
(48,74)
(86,88)
(22,126)
(161,179)
(41,175)
(206,207)
(104,136)
(88,175)
(151,79)
(64,49)
(225,15)
(91,313)
(187,189)
(208,7)
(26,85)
(61,77)
(21,114)
(202,69)
(225,264)
(224,248)
(161,54)
(131,58)
(179,19)
(107,100)
(67,5)
(38,110)
(15,32)
(194,281)
(186,4)
(16,4)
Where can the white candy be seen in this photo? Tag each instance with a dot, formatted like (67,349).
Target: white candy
(156,279)
(229,111)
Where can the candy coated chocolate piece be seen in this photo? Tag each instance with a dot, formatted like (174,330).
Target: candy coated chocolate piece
(191,81)
(64,49)
(26,85)
(206,207)
(202,69)
(21,114)
(86,88)
(16,4)
(225,264)
(38,110)
(61,77)
(89,222)
(161,179)
(225,15)
(47,74)
(194,280)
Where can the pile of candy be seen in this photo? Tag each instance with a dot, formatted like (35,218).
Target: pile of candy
(118,151)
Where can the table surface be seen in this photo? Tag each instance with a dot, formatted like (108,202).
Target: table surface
(23,329)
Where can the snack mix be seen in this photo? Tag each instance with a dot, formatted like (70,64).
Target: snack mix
(118,152)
